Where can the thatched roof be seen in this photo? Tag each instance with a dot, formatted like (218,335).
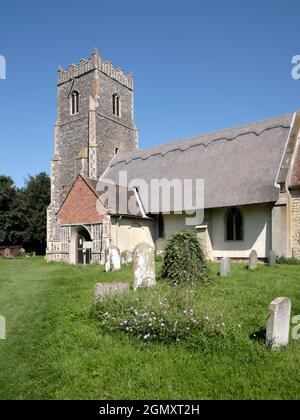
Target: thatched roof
(239,165)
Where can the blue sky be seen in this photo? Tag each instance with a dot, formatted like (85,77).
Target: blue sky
(198,65)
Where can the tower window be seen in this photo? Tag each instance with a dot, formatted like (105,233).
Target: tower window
(74,102)
(116,105)
(116,150)
(234,225)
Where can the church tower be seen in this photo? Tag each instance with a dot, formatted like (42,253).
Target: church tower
(95,120)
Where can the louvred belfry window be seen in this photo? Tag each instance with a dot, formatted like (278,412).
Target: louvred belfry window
(116,105)
(74,102)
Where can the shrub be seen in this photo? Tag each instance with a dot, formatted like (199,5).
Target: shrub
(289,261)
(184,260)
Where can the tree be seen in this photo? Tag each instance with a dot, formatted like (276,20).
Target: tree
(23,212)
(34,200)
(7,199)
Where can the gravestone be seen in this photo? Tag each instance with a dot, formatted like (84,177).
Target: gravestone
(112,259)
(7,253)
(278,326)
(22,252)
(272,258)
(225,267)
(103,290)
(253,261)
(143,266)
(11,251)
(126,257)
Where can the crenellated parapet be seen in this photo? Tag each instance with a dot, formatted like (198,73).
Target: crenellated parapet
(93,63)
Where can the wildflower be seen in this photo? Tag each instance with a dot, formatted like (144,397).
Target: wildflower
(206,318)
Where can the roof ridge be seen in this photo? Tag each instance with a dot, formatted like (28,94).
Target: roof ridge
(180,143)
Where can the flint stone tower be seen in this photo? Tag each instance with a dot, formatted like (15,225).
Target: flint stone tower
(95,120)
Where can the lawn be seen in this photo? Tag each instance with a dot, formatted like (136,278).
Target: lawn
(55,349)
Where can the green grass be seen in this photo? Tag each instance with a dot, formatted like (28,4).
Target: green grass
(56,350)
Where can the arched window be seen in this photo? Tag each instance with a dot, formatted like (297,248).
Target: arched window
(74,102)
(234,225)
(116,105)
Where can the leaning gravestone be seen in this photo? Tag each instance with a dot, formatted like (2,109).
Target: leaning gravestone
(112,259)
(143,266)
(103,290)
(272,258)
(225,267)
(278,326)
(253,261)
(126,257)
